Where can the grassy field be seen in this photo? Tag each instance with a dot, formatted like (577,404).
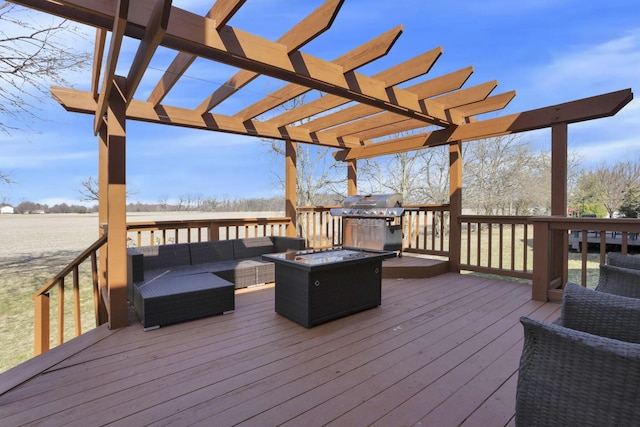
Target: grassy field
(33,249)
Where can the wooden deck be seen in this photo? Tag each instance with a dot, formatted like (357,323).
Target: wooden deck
(440,351)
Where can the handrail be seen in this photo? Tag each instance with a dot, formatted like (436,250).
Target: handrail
(77,260)
(552,235)
(41,297)
(197,230)
(496,244)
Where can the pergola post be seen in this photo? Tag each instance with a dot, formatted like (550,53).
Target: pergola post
(290,187)
(103,202)
(559,176)
(116,208)
(455,205)
(352,177)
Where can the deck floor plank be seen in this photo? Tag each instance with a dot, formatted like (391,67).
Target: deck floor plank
(438,351)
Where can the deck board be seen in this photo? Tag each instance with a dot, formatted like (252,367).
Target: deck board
(440,351)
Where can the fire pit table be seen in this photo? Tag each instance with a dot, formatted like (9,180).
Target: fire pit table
(316,286)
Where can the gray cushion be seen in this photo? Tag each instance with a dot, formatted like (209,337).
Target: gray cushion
(602,314)
(252,247)
(205,252)
(162,256)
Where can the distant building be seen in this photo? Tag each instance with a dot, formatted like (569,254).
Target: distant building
(6,210)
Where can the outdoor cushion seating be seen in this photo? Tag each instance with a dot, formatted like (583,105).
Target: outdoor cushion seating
(167,300)
(585,368)
(173,283)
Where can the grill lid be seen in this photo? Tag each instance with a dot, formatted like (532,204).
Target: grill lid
(371,205)
(373,201)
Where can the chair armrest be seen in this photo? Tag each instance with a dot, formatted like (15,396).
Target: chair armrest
(135,265)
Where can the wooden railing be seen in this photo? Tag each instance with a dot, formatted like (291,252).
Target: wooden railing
(501,245)
(151,233)
(552,237)
(41,298)
(318,227)
(426,229)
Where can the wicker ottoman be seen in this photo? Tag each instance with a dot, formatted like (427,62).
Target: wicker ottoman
(167,300)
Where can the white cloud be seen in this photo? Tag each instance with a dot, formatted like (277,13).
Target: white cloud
(607,66)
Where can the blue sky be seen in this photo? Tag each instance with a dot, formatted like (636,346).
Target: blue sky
(549,51)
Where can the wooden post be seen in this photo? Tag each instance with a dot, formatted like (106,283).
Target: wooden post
(117,207)
(559,238)
(41,324)
(352,177)
(541,257)
(455,205)
(103,201)
(290,187)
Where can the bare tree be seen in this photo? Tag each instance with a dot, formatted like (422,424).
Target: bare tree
(32,55)
(89,190)
(503,175)
(608,185)
(318,175)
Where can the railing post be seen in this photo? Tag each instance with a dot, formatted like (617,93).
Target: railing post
(541,268)
(41,324)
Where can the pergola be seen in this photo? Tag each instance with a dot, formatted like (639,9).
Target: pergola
(359,116)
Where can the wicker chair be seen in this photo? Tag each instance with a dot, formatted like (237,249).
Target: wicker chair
(625,261)
(585,369)
(619,281)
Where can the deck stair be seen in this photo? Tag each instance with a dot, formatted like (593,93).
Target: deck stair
(412,266)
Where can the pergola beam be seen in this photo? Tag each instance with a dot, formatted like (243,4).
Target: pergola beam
(470,101)
(117,34)
(400,73)
(429,88)
(362,55)
(386,123)
(153,35)
(82,102)
(98,52)
(312,26)
(492,103)
(197,35)
(595,107)
(221,12)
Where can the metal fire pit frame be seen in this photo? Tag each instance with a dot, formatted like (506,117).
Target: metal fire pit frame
(314,292)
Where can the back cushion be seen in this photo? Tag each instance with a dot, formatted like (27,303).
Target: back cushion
(252,247)
(204,252)
(163,256)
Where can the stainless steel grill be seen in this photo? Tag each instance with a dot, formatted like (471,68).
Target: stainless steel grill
(372,222)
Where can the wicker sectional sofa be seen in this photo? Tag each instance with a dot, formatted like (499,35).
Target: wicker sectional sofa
(186,281)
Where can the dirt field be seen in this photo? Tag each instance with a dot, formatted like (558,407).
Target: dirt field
(34,248)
